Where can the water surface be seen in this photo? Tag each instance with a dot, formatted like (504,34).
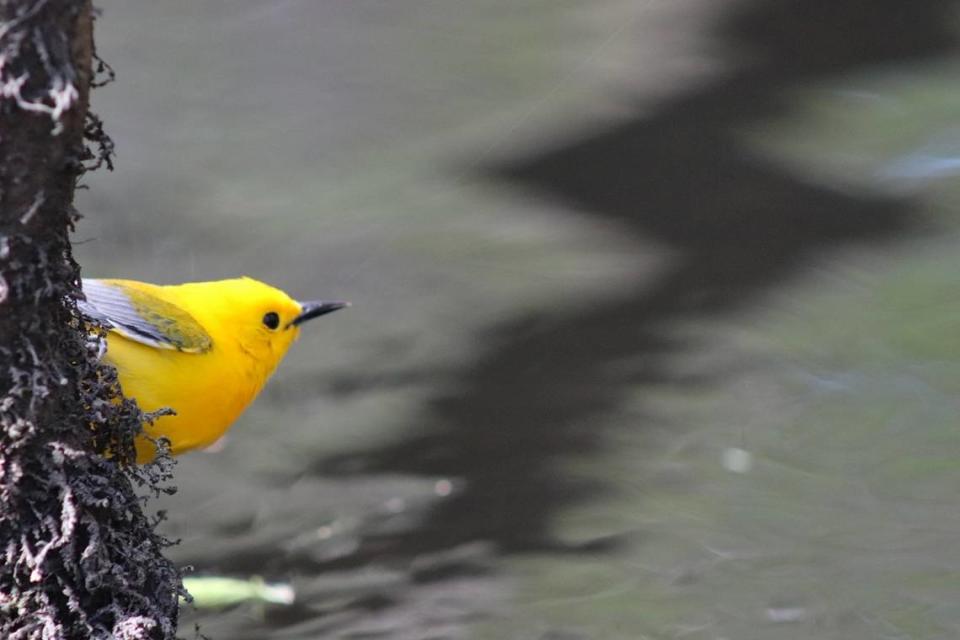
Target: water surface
(654,319)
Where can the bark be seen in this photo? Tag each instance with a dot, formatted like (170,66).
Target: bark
(78,557)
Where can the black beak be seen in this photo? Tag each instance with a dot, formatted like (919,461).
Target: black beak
(317,308)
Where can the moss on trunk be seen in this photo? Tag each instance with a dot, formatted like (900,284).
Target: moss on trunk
(79,557)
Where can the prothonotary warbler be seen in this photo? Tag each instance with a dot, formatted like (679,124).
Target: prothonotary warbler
(202,349)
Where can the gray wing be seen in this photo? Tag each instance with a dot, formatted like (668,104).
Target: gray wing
(142,317)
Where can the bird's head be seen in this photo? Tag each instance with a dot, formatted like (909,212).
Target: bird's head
(264,320)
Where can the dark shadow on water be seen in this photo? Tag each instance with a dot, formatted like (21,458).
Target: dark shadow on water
(740,225)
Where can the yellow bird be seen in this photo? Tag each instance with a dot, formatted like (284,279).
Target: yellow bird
(202,349)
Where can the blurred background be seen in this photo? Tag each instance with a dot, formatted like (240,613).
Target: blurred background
(655,324)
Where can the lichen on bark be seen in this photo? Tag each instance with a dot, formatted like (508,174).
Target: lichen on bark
(79,558)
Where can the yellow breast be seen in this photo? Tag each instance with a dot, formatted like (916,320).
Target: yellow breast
(207,391)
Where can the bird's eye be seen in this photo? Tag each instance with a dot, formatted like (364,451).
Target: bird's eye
(271,320)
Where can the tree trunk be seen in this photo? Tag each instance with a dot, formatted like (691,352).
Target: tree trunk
(79,558)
